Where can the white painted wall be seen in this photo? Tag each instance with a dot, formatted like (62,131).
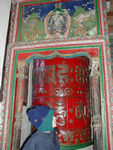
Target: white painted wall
(4,20)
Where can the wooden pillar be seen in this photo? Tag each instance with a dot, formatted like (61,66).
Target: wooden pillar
(96,105)
(21,76)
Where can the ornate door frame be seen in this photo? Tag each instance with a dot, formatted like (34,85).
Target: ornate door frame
(19,56)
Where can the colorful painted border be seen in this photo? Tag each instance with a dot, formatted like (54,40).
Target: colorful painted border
(100,7)
(100,12)
(5,105)
(90,48)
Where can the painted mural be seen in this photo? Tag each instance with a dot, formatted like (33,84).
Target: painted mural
(41,21)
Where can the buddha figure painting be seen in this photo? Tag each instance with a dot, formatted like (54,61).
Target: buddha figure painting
(42,21)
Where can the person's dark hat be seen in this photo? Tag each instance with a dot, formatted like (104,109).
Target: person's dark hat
(38,114)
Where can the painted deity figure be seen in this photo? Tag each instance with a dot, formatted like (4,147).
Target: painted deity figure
(57,23)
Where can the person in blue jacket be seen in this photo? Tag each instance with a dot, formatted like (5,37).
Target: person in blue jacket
(45,138)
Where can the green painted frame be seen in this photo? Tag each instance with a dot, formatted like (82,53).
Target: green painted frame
(90,48)
(99,43)
(23,4)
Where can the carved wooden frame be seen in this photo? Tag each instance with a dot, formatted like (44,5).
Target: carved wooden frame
(19,55)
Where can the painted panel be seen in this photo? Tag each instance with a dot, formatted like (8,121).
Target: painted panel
(70,49)
(17,18)
(94,46)
(45,20)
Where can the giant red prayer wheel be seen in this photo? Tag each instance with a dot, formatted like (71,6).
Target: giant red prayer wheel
(63,84)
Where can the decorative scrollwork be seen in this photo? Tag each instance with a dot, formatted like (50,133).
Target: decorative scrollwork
(95,67)
(22,70)
(61,113)
(67,135)
(76,136)
(18,120)
(63,92)
(97,121)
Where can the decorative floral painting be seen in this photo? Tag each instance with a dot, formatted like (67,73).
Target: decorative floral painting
(45,20)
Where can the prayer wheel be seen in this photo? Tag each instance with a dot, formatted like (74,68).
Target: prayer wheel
(63,84)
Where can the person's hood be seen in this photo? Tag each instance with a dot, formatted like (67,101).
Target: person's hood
(41,117)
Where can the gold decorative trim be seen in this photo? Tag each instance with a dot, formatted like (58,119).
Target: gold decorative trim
(97,121)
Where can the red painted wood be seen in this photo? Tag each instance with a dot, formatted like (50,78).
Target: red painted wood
(63,85)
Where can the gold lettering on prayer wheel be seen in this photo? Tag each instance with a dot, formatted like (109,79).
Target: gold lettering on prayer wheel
(63,85)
